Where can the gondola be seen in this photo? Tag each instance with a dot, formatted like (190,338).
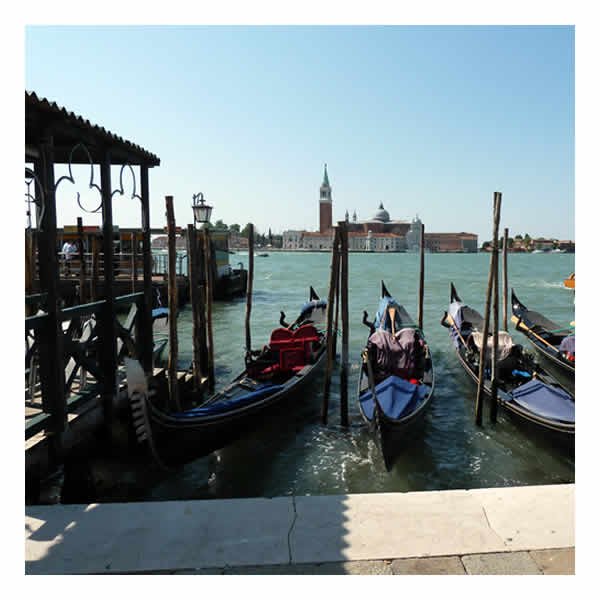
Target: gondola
(396,380)
(283,368)
(526,392)
(554,343)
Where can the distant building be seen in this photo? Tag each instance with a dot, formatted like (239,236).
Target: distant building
(379,233)
(451,242)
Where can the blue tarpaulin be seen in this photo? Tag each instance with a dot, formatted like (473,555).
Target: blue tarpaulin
(546,401)
(224,406)
(396,396)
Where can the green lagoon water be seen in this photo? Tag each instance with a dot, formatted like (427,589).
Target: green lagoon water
(295,454)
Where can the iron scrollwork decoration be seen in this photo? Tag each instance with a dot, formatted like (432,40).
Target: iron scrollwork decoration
(71,179)
(120,190)
(30,198)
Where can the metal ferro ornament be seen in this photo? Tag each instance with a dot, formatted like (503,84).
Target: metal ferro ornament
(71,179)
(30,198)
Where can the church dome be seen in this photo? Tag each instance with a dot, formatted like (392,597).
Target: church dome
(381,214)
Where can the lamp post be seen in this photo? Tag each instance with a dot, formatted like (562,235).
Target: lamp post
(201,210)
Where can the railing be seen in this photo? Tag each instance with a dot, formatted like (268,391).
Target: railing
(82,341)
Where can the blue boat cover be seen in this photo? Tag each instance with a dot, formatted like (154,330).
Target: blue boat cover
(546,401)
(224,406)
(396,396)
(157,313)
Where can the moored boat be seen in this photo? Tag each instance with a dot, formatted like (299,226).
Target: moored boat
(283,368)
(526,392)
(569,282)
(396,380)
(555,344)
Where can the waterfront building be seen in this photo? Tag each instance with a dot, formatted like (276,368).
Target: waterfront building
(378,233)
(451,242)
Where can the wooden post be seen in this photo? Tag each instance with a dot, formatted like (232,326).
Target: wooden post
(421,276)
(95,269)
(249,285)
(486,328)
(50,335)
(29,273)
(108,329)
(505,280)
(333,283)
(345,325)
(172,287)
(146,336)
(337,315)
(494,384)
(208,268)
(82,269)
(133,263)
(197,306)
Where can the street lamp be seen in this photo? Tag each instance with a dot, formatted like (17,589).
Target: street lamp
(201,210)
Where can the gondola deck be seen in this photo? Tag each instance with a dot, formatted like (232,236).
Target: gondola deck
(526,391)
(393,402)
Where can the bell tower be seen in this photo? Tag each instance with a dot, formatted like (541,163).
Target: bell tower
(325,205)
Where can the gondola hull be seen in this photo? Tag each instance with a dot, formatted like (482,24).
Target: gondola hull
(280,372)
(545,337)
(179,439)
(395,406)
(559,428)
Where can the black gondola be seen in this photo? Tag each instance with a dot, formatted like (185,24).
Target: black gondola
(284,367)
(555,344)
(396,381)
(526,391)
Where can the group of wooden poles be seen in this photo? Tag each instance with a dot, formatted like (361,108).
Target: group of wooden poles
(201,281)
(338,295)
(492,297)
(200,276)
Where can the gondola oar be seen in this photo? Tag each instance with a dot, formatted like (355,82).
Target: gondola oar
(520,326)
(448,319)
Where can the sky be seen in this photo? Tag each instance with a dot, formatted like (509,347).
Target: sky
(428,120)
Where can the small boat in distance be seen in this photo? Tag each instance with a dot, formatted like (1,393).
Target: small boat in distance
(286,366)
(554,343)
(569,282)
(396,380)
(526,392)
(263,254)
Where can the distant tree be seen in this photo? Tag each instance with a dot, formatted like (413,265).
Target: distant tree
(234,227)
(270,237)
(486,245)
(518,237)
(245,230)
(220,225)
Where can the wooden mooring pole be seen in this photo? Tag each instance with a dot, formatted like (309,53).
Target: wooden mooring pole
(333,285)
(494,384)
(486,323)
(197,306)
(345,329)
(29,270)
(208,273)
(95,268)
(421,276)
(174,404)
(505,280)
(133,262)
(82,269)
(249,286)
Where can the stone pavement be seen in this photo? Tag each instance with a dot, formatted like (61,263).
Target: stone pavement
(521,530)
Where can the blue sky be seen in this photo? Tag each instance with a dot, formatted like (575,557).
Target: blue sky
(427,120)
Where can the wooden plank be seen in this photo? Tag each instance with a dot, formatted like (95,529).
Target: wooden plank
(173,309)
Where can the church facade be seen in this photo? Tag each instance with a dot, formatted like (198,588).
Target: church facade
(379,233)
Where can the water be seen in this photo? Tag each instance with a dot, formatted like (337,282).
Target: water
(295,454)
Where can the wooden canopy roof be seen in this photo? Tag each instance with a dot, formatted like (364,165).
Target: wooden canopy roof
(43,118)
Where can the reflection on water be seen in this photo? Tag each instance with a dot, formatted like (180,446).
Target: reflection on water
(294,453)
